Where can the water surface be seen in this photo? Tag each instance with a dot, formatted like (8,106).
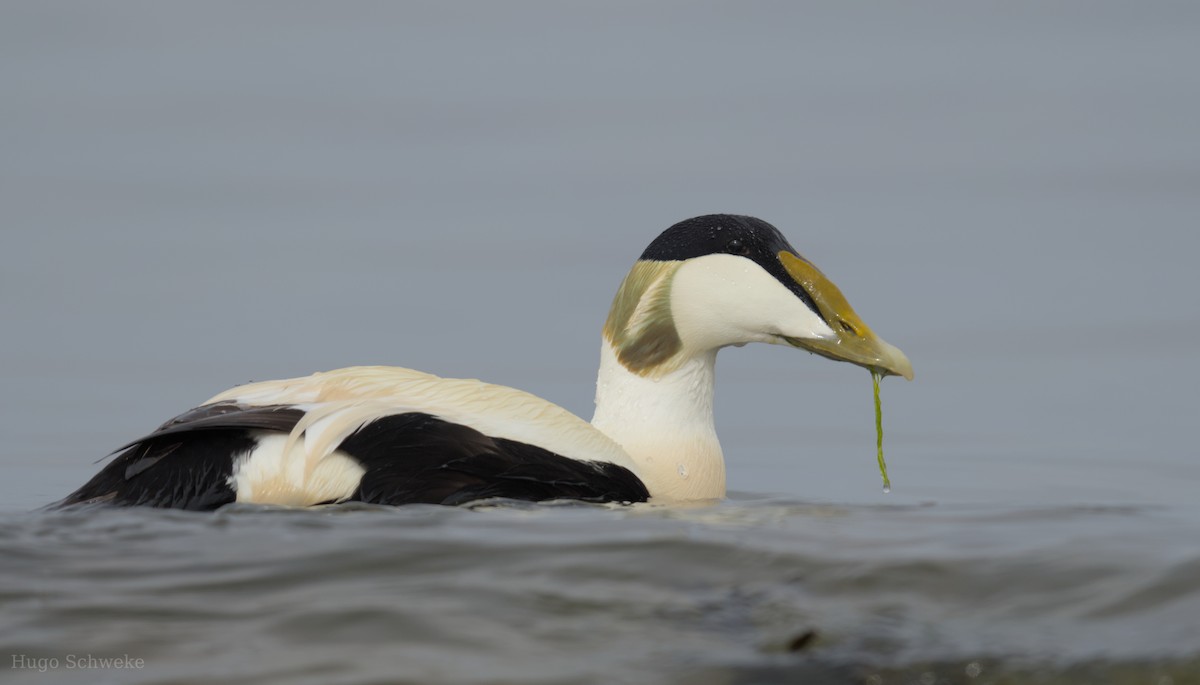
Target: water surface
(508,592)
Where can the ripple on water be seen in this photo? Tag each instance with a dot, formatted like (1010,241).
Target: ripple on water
(751,590)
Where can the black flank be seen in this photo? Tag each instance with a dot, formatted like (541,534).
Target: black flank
(411,458)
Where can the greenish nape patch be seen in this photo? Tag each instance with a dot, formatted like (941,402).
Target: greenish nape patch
(639,325)
(887,484)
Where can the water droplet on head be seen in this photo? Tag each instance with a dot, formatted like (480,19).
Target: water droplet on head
(887,489)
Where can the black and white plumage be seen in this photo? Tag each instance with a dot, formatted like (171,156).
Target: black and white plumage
(390,435)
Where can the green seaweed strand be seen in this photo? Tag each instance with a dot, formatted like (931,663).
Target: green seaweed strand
(887,484)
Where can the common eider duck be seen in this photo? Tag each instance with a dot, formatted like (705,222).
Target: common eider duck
(390,435)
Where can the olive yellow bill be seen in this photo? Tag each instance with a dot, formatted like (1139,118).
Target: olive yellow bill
(855,342)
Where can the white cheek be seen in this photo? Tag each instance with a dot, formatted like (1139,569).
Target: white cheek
(721,299)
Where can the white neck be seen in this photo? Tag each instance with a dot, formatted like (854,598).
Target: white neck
(665,423)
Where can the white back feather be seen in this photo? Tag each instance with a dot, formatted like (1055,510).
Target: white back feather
(339,402)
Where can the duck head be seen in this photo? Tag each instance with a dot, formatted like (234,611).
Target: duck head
(722,279)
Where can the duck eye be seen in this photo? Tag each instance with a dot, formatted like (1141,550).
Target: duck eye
(737,247)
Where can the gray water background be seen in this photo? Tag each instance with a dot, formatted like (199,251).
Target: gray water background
(198,195)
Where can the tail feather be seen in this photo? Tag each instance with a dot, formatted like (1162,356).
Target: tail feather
(188,471)
(187,462)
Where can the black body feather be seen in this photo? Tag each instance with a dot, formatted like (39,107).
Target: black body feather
(187,462)
(188,471)
(408,458)
(419,458)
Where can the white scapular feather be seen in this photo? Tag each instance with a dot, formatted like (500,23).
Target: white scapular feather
(339,402)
